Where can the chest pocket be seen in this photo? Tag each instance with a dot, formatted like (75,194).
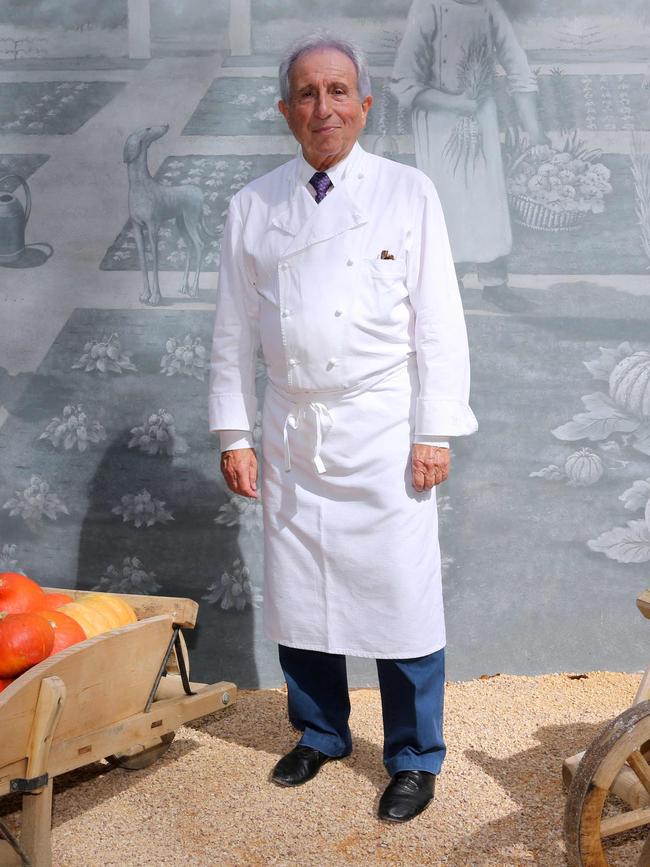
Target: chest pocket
(388,275)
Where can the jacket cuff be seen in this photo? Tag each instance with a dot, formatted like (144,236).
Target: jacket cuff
(232,411)
(454,417)
(236,439)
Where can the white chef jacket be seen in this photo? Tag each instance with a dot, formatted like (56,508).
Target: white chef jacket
(362,354)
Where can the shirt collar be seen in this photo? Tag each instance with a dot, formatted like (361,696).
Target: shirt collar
(335,173)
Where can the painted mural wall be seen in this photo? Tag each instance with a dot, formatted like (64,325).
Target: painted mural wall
(108,474)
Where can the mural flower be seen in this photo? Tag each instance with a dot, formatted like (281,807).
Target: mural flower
(36,502)
(241,511)
(8,560)
(624,409)
(142,509)
(629,544)
(157,436)
(132,577)
(104,355)
(233,589)
(186,356)
(73,429)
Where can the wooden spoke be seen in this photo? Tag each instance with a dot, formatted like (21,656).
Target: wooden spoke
(641,768)
(624,822)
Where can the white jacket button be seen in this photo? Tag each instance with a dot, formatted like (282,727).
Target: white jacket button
(332,363)
(283,266)
(350,262)
(338,312)
(293,362)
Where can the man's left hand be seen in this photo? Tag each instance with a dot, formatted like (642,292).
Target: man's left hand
(429,466)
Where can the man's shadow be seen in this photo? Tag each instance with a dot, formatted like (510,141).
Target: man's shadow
(32,396)
(533,780)
(259,721)
(187,554)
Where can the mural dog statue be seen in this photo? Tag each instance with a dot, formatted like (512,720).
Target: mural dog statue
(151,203)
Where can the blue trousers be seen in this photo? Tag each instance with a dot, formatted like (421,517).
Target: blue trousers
(412,694)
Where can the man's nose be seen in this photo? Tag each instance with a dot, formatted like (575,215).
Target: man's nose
(323,108)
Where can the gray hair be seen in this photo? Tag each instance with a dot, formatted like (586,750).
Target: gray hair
(318,41)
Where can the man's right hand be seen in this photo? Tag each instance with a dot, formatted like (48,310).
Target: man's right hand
(239,468)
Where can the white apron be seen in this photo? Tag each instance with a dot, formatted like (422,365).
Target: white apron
(361,353)
(351,557)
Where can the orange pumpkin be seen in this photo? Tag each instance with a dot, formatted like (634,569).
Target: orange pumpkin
(116,609)
(66,630)
(18,593)
(25,639)
(55,600)
(91,620)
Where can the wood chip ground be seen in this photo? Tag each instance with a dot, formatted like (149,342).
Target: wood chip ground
(499,800)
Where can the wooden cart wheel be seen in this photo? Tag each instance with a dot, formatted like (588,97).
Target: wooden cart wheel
(136,758)
(614,765)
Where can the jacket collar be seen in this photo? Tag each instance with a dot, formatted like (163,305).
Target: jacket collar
(309,223)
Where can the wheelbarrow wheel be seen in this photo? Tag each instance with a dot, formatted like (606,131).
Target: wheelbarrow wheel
(609,795)
(137,758)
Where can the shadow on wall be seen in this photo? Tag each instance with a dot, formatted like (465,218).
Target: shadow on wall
(31,396)
(180,554)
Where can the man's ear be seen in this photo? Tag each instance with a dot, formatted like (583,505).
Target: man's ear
(365,107)
(284,109)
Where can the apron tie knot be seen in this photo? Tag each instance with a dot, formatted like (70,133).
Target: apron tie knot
(293,420)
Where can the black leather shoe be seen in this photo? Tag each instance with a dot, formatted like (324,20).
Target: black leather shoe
(299,766)
(407,794)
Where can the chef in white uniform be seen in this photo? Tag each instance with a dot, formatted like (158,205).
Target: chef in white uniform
(338,265)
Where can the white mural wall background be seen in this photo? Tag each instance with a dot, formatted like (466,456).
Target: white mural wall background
(128,129)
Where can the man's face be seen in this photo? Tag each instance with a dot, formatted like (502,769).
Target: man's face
(324,111)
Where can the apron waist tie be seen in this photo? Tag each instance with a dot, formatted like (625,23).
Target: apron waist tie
(294,420)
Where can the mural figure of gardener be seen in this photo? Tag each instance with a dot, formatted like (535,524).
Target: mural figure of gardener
(444,71)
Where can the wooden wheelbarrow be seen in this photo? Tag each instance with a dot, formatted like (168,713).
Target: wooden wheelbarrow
(612,773)
(119,696)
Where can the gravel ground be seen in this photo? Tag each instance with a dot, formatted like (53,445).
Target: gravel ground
(499,800)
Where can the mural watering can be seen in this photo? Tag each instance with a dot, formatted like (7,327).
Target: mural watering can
(13,219)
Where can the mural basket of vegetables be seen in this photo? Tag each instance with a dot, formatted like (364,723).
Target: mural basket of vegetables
(553,190)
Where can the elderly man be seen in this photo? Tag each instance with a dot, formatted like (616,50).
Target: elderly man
(338,264)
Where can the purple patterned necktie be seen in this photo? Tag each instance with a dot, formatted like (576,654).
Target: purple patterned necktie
(321,183)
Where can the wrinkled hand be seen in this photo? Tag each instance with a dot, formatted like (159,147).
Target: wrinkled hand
(429,466)
(239,468)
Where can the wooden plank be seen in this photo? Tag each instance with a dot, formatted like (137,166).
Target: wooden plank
(142,728)
(643,603)
(183,611)
(8,857)
(36,829)
(643,691)
(108,678)
(51,698)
